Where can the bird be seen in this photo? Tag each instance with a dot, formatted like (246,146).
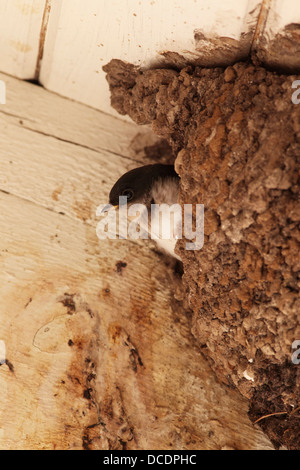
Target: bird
(156,187)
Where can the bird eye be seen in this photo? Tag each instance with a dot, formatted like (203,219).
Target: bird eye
(128,193)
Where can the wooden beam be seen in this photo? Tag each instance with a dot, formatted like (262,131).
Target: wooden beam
(81,38)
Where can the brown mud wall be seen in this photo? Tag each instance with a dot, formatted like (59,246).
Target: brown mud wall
(235,135)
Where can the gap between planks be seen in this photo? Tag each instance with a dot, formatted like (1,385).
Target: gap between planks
(40,110)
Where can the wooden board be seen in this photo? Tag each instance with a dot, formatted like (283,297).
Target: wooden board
(98,351)
(50,115)
(65,43)
(82,37)
(20,35)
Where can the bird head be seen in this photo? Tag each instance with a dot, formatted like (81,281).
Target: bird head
(136,185)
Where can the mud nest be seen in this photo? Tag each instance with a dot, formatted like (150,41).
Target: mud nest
(235,135)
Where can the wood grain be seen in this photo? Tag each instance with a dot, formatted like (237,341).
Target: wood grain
(20,26)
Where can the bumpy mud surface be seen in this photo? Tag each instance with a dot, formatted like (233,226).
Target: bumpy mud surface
(235,134)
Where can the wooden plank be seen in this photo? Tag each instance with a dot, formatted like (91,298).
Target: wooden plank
(36,109)
(90,350)
(20,27)
(58,140)
(58,175)
(82,37)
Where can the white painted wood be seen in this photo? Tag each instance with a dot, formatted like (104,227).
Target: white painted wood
(80,37)
(32,108)
(83,36)
(55,174)
(20,27)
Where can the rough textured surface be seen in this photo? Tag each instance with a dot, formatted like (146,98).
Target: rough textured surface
(236,136)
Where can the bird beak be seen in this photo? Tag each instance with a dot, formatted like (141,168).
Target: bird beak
(108,208)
